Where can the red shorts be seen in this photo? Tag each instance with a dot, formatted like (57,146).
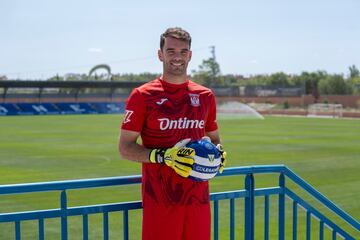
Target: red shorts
(183,222)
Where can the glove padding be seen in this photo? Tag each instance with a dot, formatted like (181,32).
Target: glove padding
(179,157)
(223,157)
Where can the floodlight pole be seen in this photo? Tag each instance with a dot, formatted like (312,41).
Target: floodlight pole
(212,67)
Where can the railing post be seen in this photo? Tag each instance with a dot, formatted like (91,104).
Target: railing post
(232,219)
(249,207)
(266,218)
(321,231)
(294,228)
(308,225)
(85,227)
(126,224)
(41,229)
(282,207)
(63,204)
(106,225)
(17,230)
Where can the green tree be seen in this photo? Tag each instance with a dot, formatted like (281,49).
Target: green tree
(309,80)
(354,72)
(334,84)
(278,79)
(355,85)
(208,73)
(258,80)
(56,78)
(233,80)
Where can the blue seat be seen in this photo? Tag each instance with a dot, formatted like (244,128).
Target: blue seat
(9,109)
(61,108)
(37,108)
(75,108)
(104,107)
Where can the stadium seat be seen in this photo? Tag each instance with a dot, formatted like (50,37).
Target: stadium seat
(104,107)
(75,108)
(9,109)
(37,109)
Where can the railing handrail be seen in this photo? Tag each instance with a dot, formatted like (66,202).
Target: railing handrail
(321,198)
(122,180)
(135,179)
(68,184)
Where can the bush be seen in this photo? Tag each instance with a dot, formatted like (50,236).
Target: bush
(286,105)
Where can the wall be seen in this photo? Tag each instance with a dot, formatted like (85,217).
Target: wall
(348,101)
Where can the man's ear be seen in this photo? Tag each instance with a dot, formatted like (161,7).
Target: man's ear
(190,55)
(160,55)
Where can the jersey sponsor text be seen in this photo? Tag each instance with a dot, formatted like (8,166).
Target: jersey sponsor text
(181,123)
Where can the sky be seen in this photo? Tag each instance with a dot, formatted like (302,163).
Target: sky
(39,38)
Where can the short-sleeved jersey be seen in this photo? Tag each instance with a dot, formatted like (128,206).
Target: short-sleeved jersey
(163,114)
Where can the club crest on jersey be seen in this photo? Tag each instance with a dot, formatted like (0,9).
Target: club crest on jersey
(127,116)
(211,157)
(194,99)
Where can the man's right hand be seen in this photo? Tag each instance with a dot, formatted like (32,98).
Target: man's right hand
(179,157)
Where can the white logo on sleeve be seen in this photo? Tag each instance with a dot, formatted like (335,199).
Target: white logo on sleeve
(161,101)
(127,116)
(194,99)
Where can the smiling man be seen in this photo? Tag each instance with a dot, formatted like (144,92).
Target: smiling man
(167,113)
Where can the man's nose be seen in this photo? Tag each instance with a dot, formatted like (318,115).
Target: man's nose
(177,56)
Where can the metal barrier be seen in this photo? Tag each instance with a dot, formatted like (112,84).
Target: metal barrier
(249,193)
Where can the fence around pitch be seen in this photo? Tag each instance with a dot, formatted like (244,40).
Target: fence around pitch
(249,193)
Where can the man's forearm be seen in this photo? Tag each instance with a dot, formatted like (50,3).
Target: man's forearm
(134,152)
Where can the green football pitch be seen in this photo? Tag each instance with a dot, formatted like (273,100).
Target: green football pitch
(324,152)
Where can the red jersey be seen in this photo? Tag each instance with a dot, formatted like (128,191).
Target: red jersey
(163,114)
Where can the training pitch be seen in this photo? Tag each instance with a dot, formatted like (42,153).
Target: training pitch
(324,152)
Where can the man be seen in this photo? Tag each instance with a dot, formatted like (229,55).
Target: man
(163,112)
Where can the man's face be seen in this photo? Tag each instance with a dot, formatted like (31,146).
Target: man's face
(175,56)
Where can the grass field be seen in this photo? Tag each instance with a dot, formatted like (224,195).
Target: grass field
(324,152)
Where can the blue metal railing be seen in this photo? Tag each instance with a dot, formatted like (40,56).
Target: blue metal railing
(249,193)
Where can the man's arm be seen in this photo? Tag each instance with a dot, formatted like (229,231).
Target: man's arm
(214,136)
(129,149)
(173,157)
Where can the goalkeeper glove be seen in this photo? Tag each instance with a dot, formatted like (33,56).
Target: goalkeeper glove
(223,157)
(179,157)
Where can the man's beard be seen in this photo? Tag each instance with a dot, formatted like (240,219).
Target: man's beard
(175,69)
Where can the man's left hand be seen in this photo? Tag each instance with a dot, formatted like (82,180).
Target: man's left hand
(223,157)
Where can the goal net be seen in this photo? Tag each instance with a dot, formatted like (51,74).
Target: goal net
(325,110)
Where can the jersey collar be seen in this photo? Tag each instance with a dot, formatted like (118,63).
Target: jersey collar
(168,85)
